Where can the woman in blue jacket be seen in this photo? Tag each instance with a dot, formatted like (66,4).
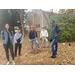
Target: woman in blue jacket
(7,36)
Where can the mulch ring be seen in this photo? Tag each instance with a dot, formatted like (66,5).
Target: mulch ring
(35,50)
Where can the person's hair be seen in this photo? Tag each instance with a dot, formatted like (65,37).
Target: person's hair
(9,29)
(19,29)
(53,21)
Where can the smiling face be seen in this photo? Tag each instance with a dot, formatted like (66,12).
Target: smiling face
(7,26)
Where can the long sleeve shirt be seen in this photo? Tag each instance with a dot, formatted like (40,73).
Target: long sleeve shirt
(32,34)
(43,33)
(55,31)
(17,36)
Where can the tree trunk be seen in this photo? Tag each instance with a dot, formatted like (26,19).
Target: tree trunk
(13,30)
(21,19)
(44,16)
(72,11)
(35,32)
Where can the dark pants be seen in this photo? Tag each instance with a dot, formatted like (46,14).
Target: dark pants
(6,47)
(17,46)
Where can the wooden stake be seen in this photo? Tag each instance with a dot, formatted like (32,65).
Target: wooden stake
(35,34)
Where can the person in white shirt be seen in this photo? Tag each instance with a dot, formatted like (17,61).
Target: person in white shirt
(18,42)
(44,36)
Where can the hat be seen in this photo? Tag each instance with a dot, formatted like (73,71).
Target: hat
(32,27)
(43,27)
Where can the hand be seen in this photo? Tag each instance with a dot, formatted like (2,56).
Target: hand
(50,40)
(20,43)
(40,38)
(35,38)
(47,37)
(29,40)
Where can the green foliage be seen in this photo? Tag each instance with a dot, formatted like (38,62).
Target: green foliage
(11,16)
(3,18)
(67,25)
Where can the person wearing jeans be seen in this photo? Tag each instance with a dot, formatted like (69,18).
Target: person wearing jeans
(56,46)
(34,41)
(7,36)
(33,37)
(54,36)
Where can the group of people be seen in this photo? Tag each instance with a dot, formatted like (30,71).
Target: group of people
(44,37)
(8,37)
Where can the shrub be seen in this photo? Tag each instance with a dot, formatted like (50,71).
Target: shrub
(67,25)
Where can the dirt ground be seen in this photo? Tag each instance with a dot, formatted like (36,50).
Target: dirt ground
(65,55)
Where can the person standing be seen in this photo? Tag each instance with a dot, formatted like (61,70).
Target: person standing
(18,42)
(33,37)
(54,36)
(7,36)
(44,36)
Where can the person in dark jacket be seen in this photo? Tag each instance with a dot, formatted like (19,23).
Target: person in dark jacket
(7,36)
(33,37)
(54,36)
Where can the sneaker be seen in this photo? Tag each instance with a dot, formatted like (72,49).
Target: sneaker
(56,54)
(53,57)
(13,62)
(8,63)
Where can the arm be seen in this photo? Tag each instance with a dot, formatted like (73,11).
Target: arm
(51,38)
(12,37)
(21,39)
(36,34)
(15,39)
(29,35)
(46,33)
(58,29)
(2,34)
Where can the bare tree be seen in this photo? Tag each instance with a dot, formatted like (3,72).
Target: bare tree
(44,15)
(34,17)
(29,19)
(20,11)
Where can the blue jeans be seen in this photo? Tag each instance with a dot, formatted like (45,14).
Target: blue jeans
(32,43)
(56,46)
